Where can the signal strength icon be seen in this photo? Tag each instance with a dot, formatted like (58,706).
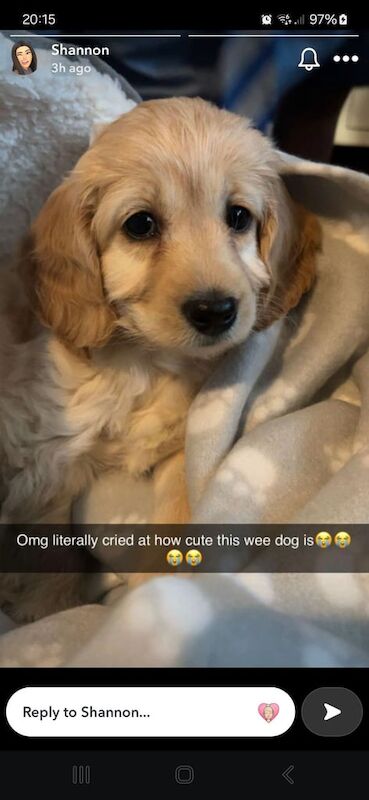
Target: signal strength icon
(285,19)
(300,20)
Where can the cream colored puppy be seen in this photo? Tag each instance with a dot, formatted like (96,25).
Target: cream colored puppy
(170,241)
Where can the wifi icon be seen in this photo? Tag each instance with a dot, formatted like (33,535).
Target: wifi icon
(285,19)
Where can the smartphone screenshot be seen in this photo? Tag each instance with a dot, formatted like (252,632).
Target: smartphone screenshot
(184,401)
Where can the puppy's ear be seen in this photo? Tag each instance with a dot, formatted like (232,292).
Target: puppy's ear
(60,263)
(289,240)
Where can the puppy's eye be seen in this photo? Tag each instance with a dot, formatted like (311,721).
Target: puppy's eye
(141,225)
(238,218)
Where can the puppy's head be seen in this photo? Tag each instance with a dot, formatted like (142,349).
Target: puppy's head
(174,230)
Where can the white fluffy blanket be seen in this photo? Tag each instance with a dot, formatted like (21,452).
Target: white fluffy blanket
(295,398)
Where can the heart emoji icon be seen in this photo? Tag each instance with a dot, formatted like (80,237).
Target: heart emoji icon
(268,711)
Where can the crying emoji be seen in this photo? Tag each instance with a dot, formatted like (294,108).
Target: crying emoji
(193,558)
(323,539)
(342,539)
(174,558)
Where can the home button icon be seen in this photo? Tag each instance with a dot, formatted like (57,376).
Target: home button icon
(184,774)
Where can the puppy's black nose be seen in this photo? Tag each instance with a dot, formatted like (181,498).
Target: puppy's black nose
(211,314)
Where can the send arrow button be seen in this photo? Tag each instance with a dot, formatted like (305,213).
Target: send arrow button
(331,711)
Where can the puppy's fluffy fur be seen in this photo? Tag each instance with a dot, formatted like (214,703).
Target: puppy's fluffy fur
(105,376)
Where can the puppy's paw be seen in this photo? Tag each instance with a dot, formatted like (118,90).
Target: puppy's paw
(140,464)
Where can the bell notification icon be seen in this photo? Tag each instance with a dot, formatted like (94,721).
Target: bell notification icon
(308,59)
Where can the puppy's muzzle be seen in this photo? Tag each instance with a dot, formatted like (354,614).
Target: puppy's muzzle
(211,314)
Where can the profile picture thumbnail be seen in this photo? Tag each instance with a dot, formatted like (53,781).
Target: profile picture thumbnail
(24,58)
